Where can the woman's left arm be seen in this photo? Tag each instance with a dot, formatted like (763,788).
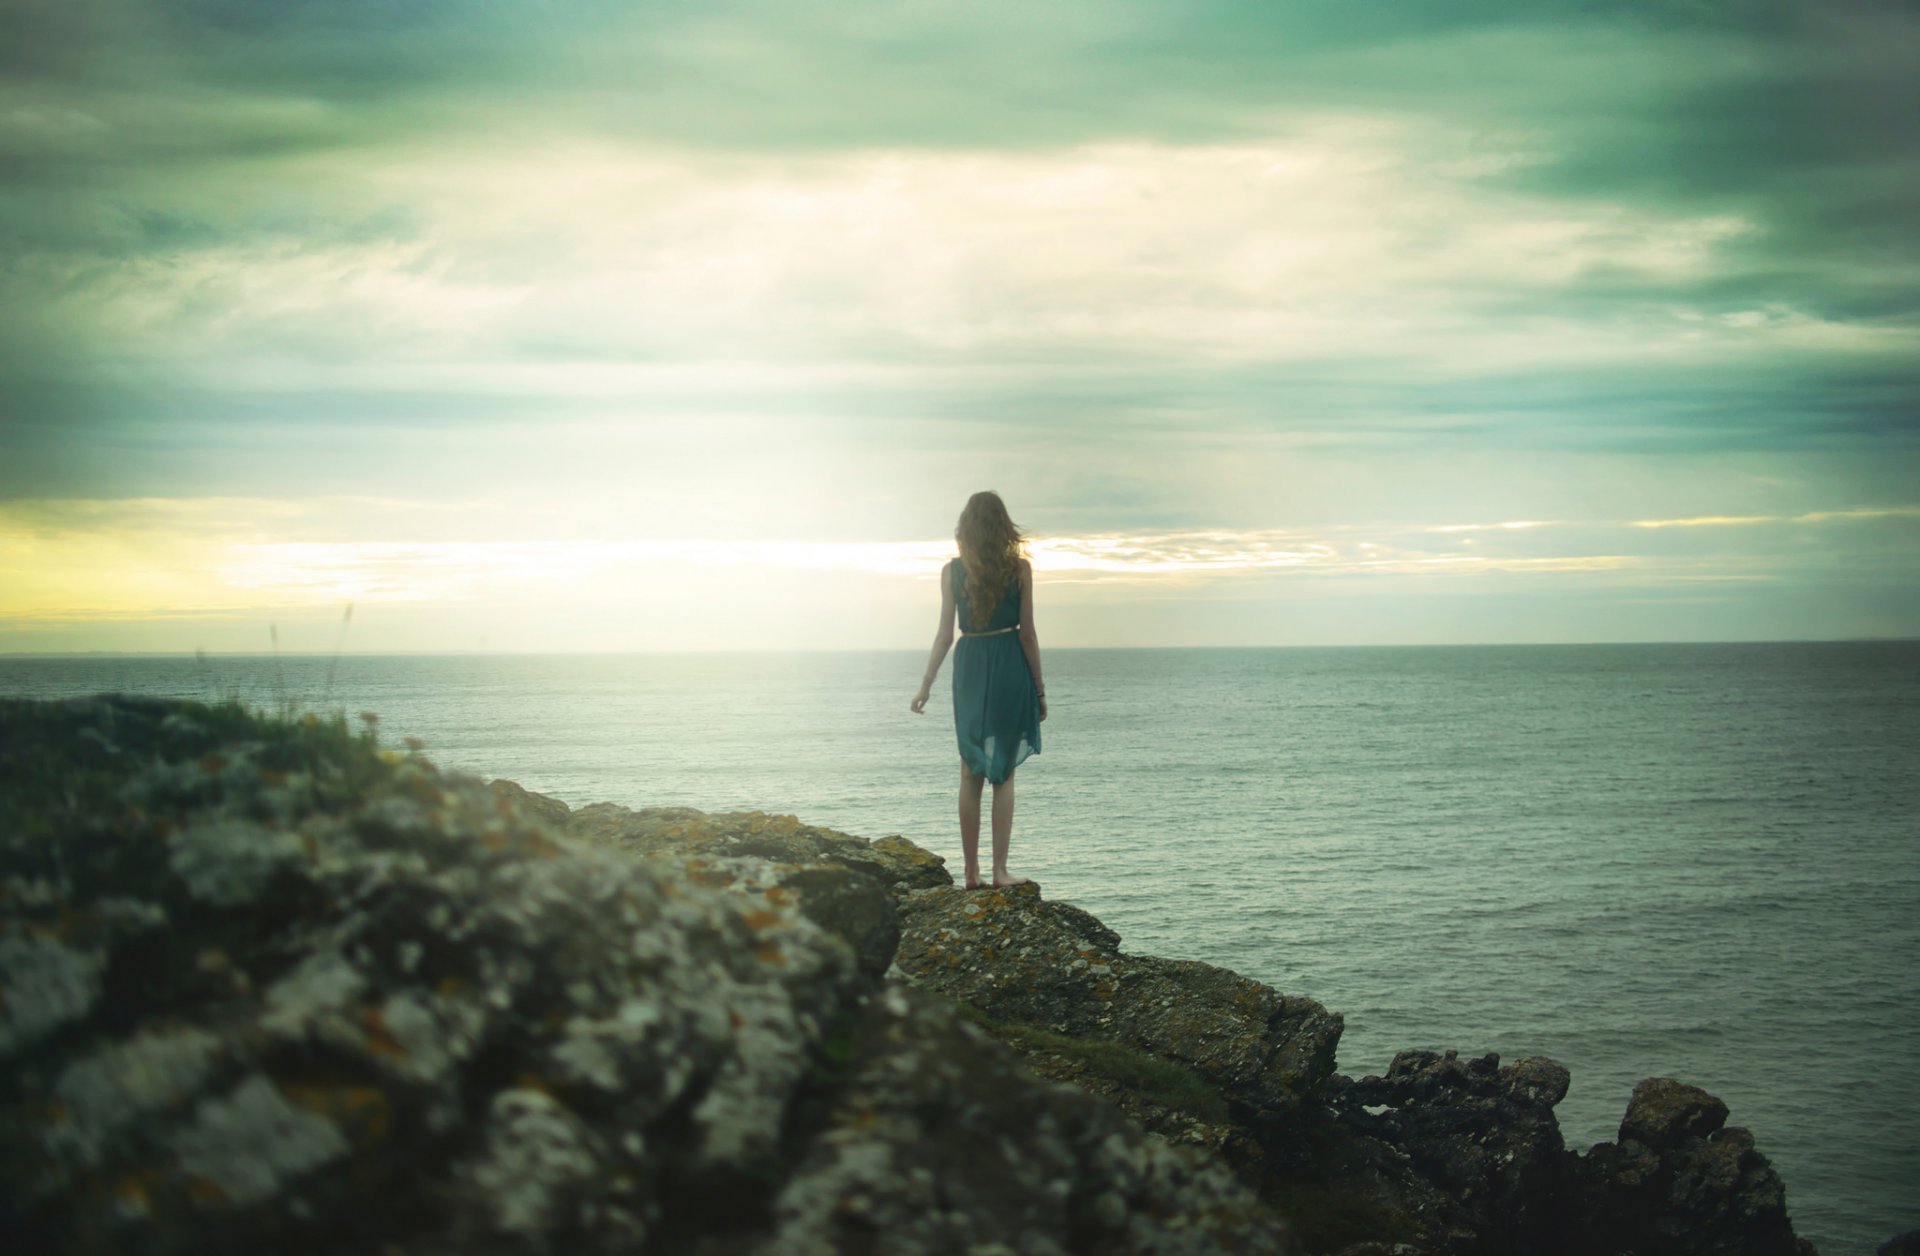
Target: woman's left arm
(942,639)
(1029,638)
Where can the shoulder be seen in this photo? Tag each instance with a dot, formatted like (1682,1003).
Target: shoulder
(1024,569)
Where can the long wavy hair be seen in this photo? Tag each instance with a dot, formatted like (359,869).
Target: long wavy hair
(991,548)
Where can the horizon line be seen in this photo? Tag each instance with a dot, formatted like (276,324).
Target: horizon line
(1354,645)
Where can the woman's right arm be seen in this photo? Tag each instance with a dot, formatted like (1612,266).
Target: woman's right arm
(1029,639)
(942,639)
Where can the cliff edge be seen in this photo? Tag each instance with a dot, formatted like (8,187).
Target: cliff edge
(266,986)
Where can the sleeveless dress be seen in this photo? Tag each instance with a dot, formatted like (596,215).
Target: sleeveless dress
(996,715)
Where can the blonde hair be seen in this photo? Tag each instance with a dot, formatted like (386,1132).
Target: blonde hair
(991,547)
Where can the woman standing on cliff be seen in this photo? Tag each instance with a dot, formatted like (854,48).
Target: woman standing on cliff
(998,696)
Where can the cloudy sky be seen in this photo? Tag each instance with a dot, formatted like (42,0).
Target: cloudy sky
(531,325)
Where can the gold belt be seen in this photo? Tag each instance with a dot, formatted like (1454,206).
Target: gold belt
(993,633)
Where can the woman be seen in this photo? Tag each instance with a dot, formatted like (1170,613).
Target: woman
(998,697)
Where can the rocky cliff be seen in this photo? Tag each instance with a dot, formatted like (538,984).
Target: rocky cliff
(266,987)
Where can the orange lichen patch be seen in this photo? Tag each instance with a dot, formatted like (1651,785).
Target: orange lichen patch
(273,776)
(735,1019)
(760,918)
(778,894)
(364,1111)
(380,1039)
(71,921)
(449,987)
(424,790)
(131,1190)
(864,1119)
(495,842)
(205,1193)
(45,1111)
(539,847)
(527,1081)
(1105,989)
(767,953)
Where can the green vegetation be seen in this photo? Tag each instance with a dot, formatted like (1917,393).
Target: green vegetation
(57,763)
(1156,1080)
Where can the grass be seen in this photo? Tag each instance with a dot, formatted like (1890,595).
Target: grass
(62,760)
(1156,1080)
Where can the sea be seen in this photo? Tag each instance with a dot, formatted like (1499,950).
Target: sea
(1698,861)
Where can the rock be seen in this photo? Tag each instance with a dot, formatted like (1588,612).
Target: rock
(1050,967)
(270,989)
(1678,1182)
(681,831)
(264,986)
(1664,1113)
(543,806)
(940,1142)
(1484,1137)
(1907,1244)
(849,904)
(438,998)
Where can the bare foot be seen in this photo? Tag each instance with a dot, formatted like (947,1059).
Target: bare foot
(1003,880)
(973,881)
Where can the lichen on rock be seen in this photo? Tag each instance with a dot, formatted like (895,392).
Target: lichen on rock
(270,989)
(1024,960)
(245,1146)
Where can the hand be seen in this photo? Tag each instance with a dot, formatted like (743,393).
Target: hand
(920,700)
(1043,707)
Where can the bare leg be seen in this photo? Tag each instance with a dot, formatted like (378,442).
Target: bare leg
(970,786)
(1002,831)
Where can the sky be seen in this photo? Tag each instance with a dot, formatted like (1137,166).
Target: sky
(522,325)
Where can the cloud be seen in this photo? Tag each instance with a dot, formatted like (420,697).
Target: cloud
(1812,516)
(760,269)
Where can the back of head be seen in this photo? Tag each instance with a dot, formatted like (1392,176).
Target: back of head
(991,547)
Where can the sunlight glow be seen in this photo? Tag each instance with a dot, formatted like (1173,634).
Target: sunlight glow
(65,565)
(1815,516)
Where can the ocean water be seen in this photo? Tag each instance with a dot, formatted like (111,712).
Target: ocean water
(1697,861)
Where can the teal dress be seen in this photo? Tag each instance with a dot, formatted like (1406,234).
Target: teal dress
(996,714)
